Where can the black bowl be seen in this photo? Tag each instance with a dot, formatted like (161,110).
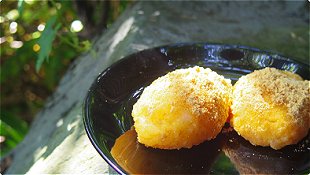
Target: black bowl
(107,112)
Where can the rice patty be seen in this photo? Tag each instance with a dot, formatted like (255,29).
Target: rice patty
(271,108)
(183,108)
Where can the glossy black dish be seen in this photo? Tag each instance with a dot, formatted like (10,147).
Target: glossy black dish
(107,110)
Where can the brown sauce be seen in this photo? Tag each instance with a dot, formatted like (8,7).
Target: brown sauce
(228,153)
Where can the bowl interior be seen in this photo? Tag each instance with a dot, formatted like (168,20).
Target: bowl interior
(107,113)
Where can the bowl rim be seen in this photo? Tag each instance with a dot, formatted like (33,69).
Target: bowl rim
(86,108)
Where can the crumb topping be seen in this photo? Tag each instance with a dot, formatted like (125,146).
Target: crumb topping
(276,87)
(204,90)
(182,108)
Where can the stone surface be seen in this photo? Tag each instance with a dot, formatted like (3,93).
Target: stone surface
(57,142)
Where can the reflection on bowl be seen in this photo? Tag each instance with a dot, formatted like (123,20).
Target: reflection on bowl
(249,159)
(136,158)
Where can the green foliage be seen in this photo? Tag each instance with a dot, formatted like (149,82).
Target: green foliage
(34,59)
(20,6)
(13,128)
(46,40)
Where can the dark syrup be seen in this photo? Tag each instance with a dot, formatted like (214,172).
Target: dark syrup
(227,153)
(208,158)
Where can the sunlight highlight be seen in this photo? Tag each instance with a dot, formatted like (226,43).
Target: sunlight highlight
(2,139)
(39,152)
(121,33)
(1,19)
(41,27)
(2,40)
(36,47)
(12,15)
(13,27)
(73,124)
(60,122)
(16,44)
(76,26)
(30,2)
(35,35)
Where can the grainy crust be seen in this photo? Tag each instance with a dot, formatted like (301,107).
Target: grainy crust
(183,108)
(265,92)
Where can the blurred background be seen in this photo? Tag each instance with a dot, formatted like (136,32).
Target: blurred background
(39,40)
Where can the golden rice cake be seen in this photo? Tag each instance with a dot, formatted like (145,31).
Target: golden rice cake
(271,107)
(183,108)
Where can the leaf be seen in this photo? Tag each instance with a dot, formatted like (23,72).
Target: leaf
(16,124)
(20,7)
(13,129)
(85,45)
(46,41)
